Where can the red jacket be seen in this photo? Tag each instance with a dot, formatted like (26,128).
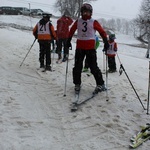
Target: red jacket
(63,27)
(89,43)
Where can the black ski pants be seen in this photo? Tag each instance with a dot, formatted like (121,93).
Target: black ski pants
(61,43)
(86,65)
(91,57)
(44,52)
(112,63)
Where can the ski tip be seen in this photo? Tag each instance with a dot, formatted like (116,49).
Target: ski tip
(74,107)
(131,146)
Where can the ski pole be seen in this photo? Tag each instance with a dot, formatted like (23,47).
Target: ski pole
(54,50)
(148,91)
(104,62)
(121,67)
(28,52)
(107,98)
(147,54)
(66,74)
(67,56)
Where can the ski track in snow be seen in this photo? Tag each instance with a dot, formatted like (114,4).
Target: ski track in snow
(35,115)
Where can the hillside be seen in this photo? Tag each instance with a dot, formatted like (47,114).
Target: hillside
(36,116)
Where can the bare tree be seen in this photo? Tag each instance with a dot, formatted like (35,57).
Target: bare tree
(133,28)
(143,21)
(118,24)
(73,6)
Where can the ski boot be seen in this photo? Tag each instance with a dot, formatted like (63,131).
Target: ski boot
(48,68)
(77,88)
(99,88)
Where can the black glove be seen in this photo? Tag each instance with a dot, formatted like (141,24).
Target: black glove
(106,46)
(35,34)
(35,37)
(103,50)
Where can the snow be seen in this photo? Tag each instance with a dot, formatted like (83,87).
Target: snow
(34,114)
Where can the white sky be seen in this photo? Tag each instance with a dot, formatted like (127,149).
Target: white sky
(128,9)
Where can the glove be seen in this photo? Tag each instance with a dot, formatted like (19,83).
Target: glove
(36,36)
(106,46)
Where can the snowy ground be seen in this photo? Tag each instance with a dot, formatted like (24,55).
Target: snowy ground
(34,114)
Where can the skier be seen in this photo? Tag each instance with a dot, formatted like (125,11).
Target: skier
(86,27)
(63,24)
(111,53)
(97,44)
(44,32)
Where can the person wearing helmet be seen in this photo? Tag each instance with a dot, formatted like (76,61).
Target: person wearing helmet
(46,15)
(63,24)
(44,32)
(86,27)
(111,53)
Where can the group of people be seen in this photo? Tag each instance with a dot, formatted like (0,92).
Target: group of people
(86,47)
(46,34)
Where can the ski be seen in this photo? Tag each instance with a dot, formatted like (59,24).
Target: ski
(48,70)
(74,105)
(59,61)
(145,136)
(44,70)
(87,99)
(140,134)
(77,103)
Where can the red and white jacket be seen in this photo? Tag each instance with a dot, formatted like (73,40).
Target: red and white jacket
(111,52)
(86,33)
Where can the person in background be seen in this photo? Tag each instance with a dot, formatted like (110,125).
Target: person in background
(111,53)
(97,44)
(44,32)
(63,24)
(86,27)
